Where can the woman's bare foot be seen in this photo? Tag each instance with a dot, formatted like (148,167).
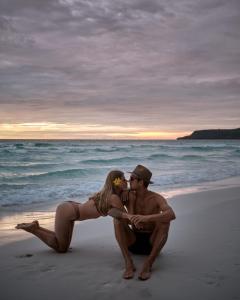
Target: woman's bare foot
(30,227)
(129,271)
(146,272)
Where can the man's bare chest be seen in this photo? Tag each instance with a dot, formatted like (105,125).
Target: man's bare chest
(145,208)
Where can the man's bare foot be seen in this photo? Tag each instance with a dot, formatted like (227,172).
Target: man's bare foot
(129,272)
(30,227)
(145,273)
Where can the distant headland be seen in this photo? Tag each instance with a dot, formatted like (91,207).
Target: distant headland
(213,134)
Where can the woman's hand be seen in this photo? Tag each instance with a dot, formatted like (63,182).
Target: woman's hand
(127,216)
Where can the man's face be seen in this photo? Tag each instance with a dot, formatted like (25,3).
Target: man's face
(133,182)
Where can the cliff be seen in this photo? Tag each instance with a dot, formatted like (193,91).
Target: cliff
(213,134)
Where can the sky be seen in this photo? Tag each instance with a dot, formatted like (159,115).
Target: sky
(118,69)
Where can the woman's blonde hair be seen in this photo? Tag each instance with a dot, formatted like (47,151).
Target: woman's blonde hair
(101,198)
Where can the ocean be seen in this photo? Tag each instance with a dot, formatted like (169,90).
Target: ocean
(46,172)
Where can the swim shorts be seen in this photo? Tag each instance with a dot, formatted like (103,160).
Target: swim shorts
(142,244)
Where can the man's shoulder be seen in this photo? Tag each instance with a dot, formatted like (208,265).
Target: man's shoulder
(156,197)
(154,194)
(159,200)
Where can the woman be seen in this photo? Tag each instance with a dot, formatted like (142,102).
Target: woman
(68,212)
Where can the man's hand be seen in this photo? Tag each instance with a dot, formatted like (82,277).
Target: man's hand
(136,220)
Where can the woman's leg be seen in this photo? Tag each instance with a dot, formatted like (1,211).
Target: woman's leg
(64,222)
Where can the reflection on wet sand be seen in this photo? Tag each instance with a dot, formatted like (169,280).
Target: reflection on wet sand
(8,232)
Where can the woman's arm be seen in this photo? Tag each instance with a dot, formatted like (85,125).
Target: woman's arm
(130,205)
(118,213)
(117,209)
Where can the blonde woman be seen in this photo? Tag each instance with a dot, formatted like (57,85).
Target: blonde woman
(100,204)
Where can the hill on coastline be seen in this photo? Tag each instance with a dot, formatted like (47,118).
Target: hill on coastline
(217,134)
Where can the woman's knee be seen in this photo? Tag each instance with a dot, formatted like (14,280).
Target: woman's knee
(62,206)
(65,212)
(62,248)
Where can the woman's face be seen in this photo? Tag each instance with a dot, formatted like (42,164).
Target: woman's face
(120,183)
(124,184)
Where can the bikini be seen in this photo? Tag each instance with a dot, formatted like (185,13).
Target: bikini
(75,206)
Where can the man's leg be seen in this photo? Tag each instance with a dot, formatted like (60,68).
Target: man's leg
(158,239)
(125,237)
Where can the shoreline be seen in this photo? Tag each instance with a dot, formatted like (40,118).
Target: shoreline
(203,186)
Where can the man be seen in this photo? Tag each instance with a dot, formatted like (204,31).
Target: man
(149,216)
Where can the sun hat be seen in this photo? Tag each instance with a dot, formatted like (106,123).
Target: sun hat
(143,173)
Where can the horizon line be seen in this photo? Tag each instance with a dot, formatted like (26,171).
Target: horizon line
(44,139)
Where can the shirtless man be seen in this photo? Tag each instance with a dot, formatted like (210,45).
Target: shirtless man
(149,216)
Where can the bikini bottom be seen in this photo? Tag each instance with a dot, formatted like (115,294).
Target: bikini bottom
(75,206)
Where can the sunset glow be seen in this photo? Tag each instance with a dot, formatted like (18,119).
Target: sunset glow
(47,130)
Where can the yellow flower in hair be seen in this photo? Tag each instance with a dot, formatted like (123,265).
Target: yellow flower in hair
(117,181)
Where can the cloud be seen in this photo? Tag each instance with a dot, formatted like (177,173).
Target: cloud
(160,63)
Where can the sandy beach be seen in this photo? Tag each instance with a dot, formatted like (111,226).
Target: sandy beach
(201,259)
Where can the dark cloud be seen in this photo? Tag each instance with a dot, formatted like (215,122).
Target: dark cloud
(15,7)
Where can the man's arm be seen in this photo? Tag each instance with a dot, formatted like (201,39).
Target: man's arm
(165,215)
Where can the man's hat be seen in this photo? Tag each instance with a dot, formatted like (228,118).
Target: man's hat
(143,173)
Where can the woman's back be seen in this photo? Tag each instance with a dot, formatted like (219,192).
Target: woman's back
(88,210)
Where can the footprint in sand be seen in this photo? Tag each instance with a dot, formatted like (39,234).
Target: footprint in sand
(145,293)
(214,278)
(24,255)
(47,269)
(107,285)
